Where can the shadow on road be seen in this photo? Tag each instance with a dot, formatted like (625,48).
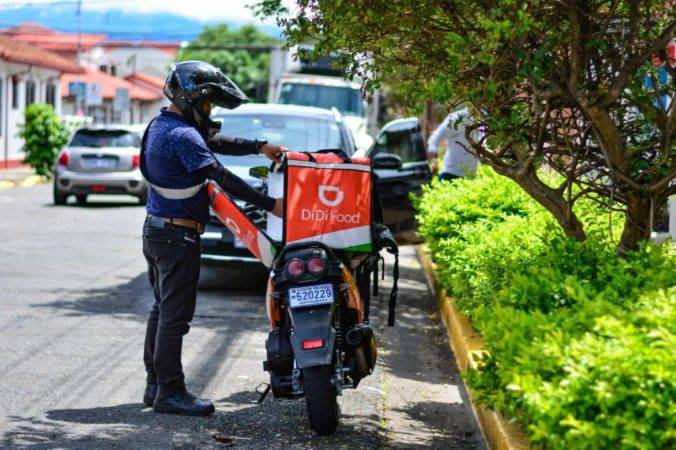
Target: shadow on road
(33,433)
(273,424)
(130,299)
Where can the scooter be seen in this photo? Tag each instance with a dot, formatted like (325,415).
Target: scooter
(318,302)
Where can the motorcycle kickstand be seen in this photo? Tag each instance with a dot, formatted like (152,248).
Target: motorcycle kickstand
(263,394)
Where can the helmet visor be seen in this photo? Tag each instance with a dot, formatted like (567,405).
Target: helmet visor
(226,95)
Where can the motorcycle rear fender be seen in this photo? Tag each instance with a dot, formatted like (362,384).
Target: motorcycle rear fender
(308,324)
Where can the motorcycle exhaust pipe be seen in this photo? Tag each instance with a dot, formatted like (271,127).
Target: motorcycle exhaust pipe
(361,339)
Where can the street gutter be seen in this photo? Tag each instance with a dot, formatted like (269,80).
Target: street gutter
(29,181)
(499,432)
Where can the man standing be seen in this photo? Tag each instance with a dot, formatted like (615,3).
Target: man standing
(458,162)
(177,159)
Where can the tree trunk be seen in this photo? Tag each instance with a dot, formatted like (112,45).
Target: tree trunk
(636,222)
(552,200)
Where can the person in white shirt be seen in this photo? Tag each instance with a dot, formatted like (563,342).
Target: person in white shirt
(458,161)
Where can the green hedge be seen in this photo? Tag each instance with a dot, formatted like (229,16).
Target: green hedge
(581,341)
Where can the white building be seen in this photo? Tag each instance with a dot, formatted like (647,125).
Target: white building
(27,75)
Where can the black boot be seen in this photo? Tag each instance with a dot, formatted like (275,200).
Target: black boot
(183,403)
(150,394)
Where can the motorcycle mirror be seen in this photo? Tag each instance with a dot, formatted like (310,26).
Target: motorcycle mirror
(260,172)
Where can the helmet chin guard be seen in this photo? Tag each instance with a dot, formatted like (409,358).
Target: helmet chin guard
(190,83)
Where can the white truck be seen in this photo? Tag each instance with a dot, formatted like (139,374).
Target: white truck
(302,82)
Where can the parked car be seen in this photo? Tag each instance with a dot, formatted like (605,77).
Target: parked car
(399,162)
(100,160)
(401,169)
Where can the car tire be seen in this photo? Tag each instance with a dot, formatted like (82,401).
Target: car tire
(59,197)
(81,199)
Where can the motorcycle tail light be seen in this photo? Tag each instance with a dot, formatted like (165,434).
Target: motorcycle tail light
(316,265)
(63,159)
(313,343)
(295,268)
(136,161)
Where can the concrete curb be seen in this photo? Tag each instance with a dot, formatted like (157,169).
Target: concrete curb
(467,344)
(29,181)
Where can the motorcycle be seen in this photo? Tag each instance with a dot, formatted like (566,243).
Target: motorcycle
(318,303)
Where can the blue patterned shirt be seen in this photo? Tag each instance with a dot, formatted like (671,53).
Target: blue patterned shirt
(173,153)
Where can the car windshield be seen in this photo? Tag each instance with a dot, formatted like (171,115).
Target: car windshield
(104,138)
(347,100)
(295,132)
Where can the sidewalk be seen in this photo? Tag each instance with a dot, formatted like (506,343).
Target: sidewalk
(23,176)
(425,403)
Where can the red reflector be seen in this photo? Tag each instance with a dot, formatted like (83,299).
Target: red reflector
(98,188)
(315,265)
(295,268)
(63,159)
(313,343)
(136,161)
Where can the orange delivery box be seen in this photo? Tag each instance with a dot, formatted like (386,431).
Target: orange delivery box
(328,199)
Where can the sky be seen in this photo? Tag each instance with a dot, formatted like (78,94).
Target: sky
(201,10)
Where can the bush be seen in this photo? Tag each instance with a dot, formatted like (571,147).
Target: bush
(580,340)
(44,136)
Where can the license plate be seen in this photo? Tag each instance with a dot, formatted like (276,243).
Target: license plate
(98,163)
(319,294)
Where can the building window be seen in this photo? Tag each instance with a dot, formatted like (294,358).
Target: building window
(15,93)
(30,92)
(50,94)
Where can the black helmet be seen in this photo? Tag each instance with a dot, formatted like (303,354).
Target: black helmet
(190,83)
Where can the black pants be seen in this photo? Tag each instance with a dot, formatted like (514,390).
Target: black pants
(173,254)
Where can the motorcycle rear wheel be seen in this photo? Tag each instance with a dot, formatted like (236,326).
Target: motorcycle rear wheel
(320,398)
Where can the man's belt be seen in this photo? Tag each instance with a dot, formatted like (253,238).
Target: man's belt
(195,225)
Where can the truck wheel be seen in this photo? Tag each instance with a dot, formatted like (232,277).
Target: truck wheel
(59,198)
(320,397)
(81,199)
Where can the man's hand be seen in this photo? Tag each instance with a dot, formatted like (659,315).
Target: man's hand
(274,152)
(278,210)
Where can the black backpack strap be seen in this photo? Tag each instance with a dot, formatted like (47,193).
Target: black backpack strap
(385,240)
(392,303)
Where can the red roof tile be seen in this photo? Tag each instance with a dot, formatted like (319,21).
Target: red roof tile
(49,39)
(146,81)
(11,50)
(109,84)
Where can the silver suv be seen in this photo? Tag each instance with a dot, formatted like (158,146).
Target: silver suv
(100,160)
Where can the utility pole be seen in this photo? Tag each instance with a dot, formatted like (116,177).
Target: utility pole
(79,30)
(80,99)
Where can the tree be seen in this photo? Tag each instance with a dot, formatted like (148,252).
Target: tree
(44,136)
(566,84)
(243,54)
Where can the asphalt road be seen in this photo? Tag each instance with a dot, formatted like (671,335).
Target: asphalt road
(74,298)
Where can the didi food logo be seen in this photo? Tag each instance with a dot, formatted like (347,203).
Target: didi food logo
(331,215)
(336,201)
